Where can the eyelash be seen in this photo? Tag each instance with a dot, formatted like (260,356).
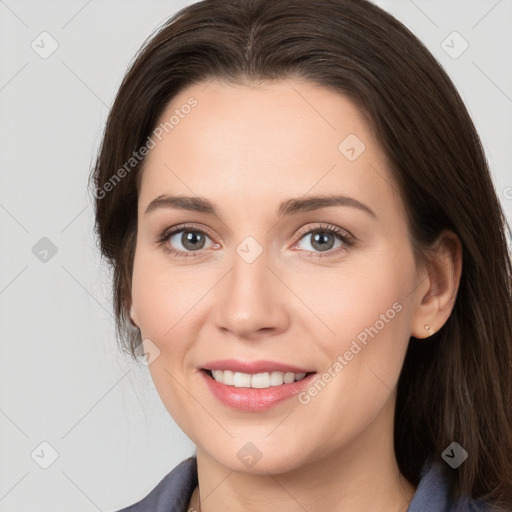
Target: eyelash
(347,239)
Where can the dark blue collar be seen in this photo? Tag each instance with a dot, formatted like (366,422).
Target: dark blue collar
(174,491)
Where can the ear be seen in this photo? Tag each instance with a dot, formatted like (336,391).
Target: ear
(438,294)
(133,316)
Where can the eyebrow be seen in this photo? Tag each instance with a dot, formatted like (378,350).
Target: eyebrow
(287,207)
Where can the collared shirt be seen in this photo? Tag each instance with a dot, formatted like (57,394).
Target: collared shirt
(174,491)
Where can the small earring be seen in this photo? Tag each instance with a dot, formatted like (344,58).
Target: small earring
(427,328)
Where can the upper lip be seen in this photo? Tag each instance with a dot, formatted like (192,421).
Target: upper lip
(259,366)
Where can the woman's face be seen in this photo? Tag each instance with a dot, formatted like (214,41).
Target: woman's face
(262,280)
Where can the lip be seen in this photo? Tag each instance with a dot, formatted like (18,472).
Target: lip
(254,399)
(259,366)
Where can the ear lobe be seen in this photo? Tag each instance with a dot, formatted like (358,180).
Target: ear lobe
(132,315)
(444,272)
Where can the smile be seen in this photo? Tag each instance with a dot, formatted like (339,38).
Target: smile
(257,380)
(244,394)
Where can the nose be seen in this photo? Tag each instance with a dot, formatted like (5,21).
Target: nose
(250,301)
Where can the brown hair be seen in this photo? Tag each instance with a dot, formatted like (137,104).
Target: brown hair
(458,385)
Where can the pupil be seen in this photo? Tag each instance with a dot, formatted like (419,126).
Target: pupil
(320,238)
(191,238)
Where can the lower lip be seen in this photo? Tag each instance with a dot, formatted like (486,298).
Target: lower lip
(253,399)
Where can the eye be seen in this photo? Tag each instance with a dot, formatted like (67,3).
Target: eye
(189,240)
(323,238)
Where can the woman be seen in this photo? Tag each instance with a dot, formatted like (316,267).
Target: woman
(309,252)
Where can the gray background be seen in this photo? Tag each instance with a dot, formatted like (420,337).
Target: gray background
(63,380)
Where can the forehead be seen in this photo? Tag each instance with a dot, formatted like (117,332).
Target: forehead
(284,138)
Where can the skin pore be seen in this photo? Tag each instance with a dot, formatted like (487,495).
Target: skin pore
(247,148)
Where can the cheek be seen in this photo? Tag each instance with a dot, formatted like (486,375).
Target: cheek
(163,296)
(365,317)
(368,316)
(347,301)
(164,300)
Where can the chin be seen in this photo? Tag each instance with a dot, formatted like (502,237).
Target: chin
(256,459)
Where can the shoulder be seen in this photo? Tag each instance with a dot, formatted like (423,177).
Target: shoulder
(433,494)
(173,492)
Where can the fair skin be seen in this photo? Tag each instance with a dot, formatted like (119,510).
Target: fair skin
(246,148)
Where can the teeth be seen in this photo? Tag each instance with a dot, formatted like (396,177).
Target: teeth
(256,380)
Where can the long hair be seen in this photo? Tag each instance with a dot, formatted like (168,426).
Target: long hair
(458,385)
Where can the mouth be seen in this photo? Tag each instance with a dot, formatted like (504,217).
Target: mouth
(254,386)
(260,380)
(254,392)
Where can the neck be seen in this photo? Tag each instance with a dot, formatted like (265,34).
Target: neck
(395,497)
(359,477)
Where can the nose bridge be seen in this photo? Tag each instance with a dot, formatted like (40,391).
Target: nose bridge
(250,278)
(249,300)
